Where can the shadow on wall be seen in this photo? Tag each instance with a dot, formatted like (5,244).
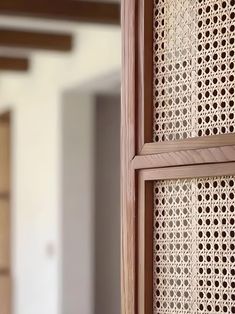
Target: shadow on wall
(107,205)
(91,203)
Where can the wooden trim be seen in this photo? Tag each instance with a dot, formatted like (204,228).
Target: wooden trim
(187,157)
(35,40)
(145,67)
(5,117)
(145,219)
(14,64)
(4,196)
(128,210)
(5,294)
(184,172)
(145,247)
(71,10)
(4,272)
(188,144)
(5,268)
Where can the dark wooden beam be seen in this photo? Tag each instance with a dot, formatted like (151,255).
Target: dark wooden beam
(72,10)
(35,40)
(13,64)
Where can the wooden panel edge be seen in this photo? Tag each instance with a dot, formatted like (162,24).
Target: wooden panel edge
(145,246)
(188,144)
(145,66)
(183,172)
(187,157)
(128,209)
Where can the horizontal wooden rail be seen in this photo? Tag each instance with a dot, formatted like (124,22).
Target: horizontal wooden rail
(13,64)
(35,40)
(72,10)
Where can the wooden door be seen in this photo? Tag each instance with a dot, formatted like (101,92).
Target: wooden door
(5,265)
(178,156)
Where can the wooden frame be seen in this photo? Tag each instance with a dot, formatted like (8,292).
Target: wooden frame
(5,200)
(144,55)
(145,221)
(128,217)
(214,154)
(145,211)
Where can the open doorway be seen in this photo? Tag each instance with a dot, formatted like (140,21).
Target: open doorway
(91,201)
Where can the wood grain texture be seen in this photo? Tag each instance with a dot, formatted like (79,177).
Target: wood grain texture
(187,157)
(188,144)
(79,11)
(13,64)
(5,292)
(145,72)
(195,157)
(145,247)
(195,171)
(35,40)
(4,235)
(128,212)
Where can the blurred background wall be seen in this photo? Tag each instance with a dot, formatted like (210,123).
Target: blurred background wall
(63,224)
(91,202)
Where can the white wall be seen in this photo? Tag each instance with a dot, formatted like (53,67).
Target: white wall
(35,100)
(35,208)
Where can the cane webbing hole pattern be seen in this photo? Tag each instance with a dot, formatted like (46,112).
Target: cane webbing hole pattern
(193,55)
(193,246)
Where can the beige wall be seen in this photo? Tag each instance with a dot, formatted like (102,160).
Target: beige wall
(35,100)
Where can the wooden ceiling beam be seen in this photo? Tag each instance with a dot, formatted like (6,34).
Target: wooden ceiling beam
(13,64)
(71,10)
(35,40)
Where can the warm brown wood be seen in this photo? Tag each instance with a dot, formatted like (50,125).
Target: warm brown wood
(5,292)
(188,144)
(5,264)
(5,117)
(128,212)
(145,247)
(4,158)
(13,64)
(35,40)
(72,10)
(145,78)
(4,235)
(145,219)
(195,157)
(195,171)
(187,157)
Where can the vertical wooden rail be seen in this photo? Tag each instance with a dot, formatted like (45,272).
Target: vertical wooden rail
(5,256)
(128,242)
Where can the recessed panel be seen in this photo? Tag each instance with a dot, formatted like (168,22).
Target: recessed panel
(193,54)
(193,246)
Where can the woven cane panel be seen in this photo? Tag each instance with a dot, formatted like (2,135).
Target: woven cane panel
(193,49)
(193,246)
